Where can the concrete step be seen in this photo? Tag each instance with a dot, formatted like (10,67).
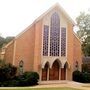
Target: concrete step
(53,82)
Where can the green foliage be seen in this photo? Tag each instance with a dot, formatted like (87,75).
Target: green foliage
(9,83)
(85,68)
(7,72)
(87,50)
(85,78)
(4,41)
(77,76)
(2,62)
(8,39)
(8,76)
(1,41)
(86,46)
(83,22)
(28,79)
(82,77)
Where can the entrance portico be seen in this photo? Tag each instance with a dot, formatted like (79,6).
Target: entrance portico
(55,72)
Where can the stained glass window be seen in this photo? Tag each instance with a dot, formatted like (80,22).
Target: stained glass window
(63,41)
(45,40)
(54,35)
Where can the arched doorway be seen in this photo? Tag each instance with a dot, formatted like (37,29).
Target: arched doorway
(63,71)
(45,71)
(54,71)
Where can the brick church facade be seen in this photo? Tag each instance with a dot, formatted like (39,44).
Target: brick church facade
(48,46)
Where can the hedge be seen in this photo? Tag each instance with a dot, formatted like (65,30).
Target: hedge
(82,77)
(27,79)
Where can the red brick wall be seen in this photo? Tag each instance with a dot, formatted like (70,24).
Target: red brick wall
(9,53)
(29,48)
(25,49)
(70,50)
(73,51)
(38,46)
(77,52)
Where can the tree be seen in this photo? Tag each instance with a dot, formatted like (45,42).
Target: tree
(1,41)
(86,46)
(8,39)
(83,22)
(4,41)
(2,62)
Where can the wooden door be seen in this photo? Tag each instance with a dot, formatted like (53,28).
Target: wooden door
(44,74)
(63,73)
(54,72)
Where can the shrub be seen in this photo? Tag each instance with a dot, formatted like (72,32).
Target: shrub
(28,79)
(8,77)
(7,72)
(32,77)
(10,83)
(77,75)
(83,77)
(85,68)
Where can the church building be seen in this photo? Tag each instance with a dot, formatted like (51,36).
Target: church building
(48,46)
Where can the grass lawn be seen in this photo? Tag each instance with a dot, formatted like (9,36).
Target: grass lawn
(61,88)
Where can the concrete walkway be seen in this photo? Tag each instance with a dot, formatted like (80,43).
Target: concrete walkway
(70,84)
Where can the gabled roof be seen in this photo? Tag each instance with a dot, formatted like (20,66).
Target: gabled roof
(61,9)
(41,16)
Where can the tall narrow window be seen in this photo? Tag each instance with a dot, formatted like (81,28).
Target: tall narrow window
(54,35)
(45,40)
(21,63)
(63,41)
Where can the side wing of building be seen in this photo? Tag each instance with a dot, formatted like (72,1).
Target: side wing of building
(22,48)
(9,49)
(77,52)
(26,47)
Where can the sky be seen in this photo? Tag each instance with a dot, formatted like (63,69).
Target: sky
(16,15)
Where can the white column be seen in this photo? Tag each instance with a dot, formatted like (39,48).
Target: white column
(59,73)
(66,73)
(48,74)
(41,74)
